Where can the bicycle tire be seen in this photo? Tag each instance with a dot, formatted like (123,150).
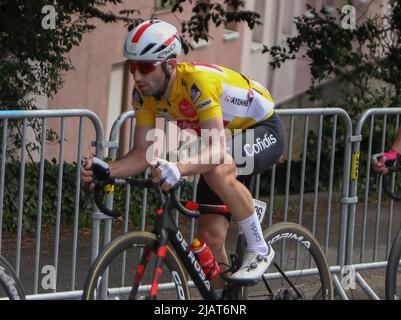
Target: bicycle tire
(393,271)
(9,282)
(123,244)
(319,288)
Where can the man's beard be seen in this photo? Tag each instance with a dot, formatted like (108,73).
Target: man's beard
(148,91)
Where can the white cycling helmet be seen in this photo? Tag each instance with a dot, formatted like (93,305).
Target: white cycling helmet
(152,40)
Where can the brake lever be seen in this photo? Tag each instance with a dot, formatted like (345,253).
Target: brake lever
(177,185)
(377,156)
(392,165)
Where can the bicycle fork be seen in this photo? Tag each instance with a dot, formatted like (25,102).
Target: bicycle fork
(158,271)
(140,272)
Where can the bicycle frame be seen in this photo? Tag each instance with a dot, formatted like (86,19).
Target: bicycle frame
(168,232)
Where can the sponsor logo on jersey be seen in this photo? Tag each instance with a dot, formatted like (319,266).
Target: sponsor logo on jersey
(187,109)
(260,145)
(204,104)
(189,124)
(195,93)
(237,101)
(136,97)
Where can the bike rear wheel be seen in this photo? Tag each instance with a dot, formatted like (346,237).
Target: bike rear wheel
(393,270)
(300,270)
(10,286)
(115,271)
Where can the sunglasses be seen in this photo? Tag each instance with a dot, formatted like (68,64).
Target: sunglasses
(144,67)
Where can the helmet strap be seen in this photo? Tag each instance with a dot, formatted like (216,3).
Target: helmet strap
(167,77)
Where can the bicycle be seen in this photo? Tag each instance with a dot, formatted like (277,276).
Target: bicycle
(393,271)
(167,250)
(10,286)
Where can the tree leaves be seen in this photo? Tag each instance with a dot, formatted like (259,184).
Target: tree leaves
(357,56)
(365,61)
(33,59)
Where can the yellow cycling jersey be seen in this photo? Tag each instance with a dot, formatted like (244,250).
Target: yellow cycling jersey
(203,91)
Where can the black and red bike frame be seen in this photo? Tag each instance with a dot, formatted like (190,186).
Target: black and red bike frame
(167,232)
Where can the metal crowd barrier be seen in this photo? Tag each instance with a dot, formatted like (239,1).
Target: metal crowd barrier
(326,205)
(28,266)
(374,220)
(325,217)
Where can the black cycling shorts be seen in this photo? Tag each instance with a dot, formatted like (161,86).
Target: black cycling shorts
(267,147)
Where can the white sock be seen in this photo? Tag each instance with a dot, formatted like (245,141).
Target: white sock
(219,292)
(253,234)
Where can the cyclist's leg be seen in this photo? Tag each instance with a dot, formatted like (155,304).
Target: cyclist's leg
(249,182)
(222,180)
(266,149)
(262,153)
(212,228)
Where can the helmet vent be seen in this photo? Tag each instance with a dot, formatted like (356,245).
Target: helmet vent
(147,48)
(161,48)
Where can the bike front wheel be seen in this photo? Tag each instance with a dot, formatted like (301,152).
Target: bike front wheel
(393,270)
(124,270)
(300,270)
(10,286)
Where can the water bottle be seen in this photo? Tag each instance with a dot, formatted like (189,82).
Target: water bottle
(205,258)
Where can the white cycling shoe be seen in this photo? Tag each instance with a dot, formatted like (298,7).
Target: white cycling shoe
(253,267)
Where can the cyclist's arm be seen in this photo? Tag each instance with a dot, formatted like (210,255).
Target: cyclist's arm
(379,166)
(397,142)
(134,162)
(212,155)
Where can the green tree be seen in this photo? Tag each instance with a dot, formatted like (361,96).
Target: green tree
(206,12)
(33,58)
(365,61)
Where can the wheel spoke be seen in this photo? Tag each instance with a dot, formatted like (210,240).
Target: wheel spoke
(292,277)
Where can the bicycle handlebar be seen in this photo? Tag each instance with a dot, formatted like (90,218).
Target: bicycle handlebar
(393,166)
(144,183)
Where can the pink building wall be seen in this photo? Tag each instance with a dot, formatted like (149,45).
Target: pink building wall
(87,86)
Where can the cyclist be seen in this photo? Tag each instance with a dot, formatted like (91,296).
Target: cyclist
(391,155)
(202,97)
